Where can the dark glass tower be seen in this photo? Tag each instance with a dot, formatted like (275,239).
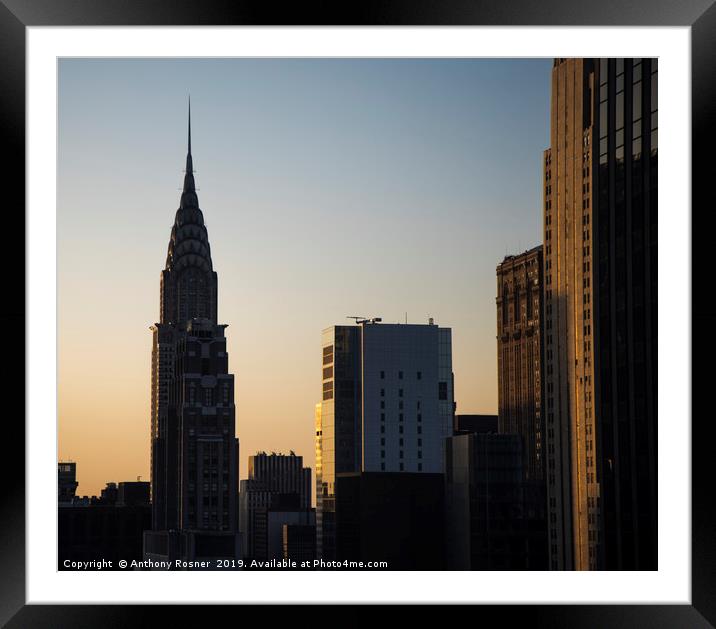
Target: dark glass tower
(194,450)
(625,309)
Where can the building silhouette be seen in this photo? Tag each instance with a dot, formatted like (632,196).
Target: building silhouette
(484,519)
(299,542)
(131,493)
(282,474)
(387,408)
(494,514)
(105,528)
(276,493)
(465,424)
(600,314)
(396,517)
(194,450)
(66,481)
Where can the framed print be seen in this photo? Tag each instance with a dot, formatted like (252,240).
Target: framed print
(413,339)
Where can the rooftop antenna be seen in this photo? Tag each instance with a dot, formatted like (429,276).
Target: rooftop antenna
(361,320)
(406,317)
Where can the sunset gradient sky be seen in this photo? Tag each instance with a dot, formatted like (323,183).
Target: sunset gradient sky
(330,187)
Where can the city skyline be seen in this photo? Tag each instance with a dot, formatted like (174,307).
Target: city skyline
(276,241)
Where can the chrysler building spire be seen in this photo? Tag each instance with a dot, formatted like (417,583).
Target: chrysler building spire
(189,176)
(189,283)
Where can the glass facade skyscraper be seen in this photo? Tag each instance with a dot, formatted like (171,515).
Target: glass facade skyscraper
(625,310)
(387,407)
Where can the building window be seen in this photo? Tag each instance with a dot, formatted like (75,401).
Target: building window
(382,375)
(442,390)
(420,375)
(400,375)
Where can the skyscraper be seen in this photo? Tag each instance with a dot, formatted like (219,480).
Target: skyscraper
(282,474)
(387,406)
(600,314)
(194,450)
(571,478)
(319,473)
(519,355)
(277,492)
(625,310)
(486,524)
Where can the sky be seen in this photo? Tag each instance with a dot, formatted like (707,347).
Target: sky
(329,187)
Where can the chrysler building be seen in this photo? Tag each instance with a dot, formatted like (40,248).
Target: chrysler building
(194,449)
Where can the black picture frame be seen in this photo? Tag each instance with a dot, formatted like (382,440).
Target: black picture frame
(16,15)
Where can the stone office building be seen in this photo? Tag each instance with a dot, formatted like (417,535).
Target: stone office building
(600,290)
(519,355)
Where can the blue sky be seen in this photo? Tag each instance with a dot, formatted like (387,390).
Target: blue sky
(330,187)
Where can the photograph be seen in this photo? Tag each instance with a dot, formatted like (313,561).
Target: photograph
(357,314)
(358,310)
